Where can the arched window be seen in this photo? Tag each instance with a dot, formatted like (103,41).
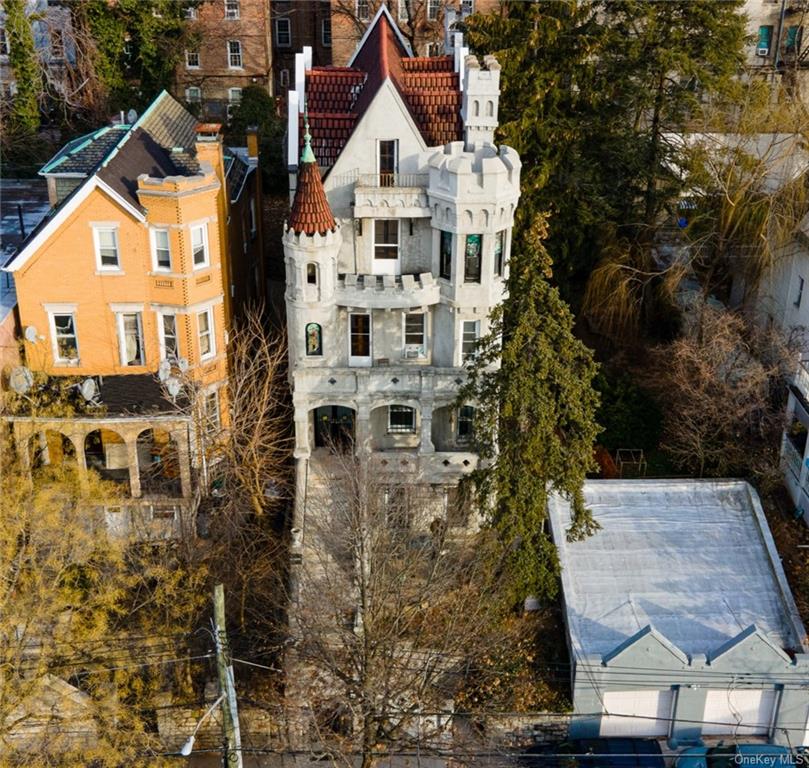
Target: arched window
(311,273)
(314,339)
(490,109)
(476,108)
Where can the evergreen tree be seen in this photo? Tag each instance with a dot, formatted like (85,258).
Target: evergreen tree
(22,58)
(534,420)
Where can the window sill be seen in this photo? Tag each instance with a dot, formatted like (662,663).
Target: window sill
(67,363)
(111,272)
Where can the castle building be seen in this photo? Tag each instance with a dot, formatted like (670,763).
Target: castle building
(396,250)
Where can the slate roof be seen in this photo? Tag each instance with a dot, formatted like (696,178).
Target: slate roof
(310,209)
(82,155)
(134,394)
(337,97)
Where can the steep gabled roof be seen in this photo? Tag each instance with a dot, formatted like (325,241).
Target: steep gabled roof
(337,97)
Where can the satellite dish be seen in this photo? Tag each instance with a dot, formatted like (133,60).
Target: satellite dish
(31,333)
(182,364)
(173,386)
(164,370)
(131,116)
(88,389)
(21,379)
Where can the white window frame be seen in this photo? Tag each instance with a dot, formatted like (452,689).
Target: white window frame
(500,236)
(433,8)
(232,55)
(206,250)
(402,10)
(365,13)
(467,8)
(233,103)
(197,91)
(360,361)
(153,235)
(398,430)
(387,266)
(4,46)
(161,336)
(188,64)
(325,24)
(119,322)
(190,13)
(212,415)
(232,10)
(283,21)
(466,356)
(97,229)
(421,349)
(211,333)
(57,358)
(459,438)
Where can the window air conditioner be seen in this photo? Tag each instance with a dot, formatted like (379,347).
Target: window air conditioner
(412,351)
(762,51)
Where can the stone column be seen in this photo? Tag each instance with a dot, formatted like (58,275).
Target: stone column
(427,429)
(134,469)
(180,439)
(77,438)
(362,430)
(302,448)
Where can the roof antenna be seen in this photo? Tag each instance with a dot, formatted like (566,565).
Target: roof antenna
(307,156)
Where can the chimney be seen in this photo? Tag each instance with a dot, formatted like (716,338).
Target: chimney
(208,147)
(481,97)
(252,141)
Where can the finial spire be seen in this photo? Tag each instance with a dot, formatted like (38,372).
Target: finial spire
(307,156)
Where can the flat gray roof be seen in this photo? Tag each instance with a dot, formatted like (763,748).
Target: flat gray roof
(694,559)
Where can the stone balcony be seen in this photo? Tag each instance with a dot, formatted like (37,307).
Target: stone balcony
(387,291)
(399,195)
(429,467)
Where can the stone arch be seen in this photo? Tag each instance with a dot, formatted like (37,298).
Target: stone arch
(51,448)
(334,426)
(158,463)
(106,452)
(395,425)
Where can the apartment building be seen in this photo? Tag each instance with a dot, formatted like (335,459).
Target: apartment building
(297,24)
(129,287)
(396,251)
(233,51)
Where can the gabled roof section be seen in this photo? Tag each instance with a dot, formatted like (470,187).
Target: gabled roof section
(310,209)
(337,97)
(80,156)
(642,637)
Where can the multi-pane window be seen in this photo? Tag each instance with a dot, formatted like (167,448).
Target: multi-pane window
(360,332)
(65,340)
(283,33)
(207,342)
(170,347)
(363,9)
(386,239)
(130,338)
(414,334)
(401,418)
(234,54)
(234,99)
(403,10)
(57,43)
(388,151)
(499,252)
(190,13)
(799,297)
(445,265)
(161,250)
(192,59)
(471,262)
(193,94)
(466,418)
(467,7)
(213,423)
(231,9)
(106,242)
(469,338)
(325,32)
(3,42)
(432,9)
(199,245)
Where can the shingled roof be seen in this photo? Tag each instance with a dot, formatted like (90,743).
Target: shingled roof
(310,209)
(337,97)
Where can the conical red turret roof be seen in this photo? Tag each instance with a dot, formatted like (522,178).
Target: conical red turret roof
(310,208)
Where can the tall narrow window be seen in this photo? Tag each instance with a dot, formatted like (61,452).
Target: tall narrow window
(794,38)
(199,245)
(213,422)
(469,339)
(363,10)
(414,335)
(57,43)
(231,9)
(234,100)
(161,250)
(499,252)
(432,9)
(799,297)
(401,418)
(130,338)
(252,217)
(325,32)
(445,266)
(234,54)
(388,161)
(169,346)
(466,417)
(283,78)
(65,340)
(472,259)
(192,59)
(3,42)
(404,14)
(467,7)
(207,340)
(314,340)
(283,33)
(360,341)
(386,239)
(311,273)
(764,40)
(106,242)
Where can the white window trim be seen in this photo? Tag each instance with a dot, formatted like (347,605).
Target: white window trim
(463,361)
(278,22)
(66,309)
(192,66)
(367,4)
(119,324)
(198,91)
(207,263)
(153,240)
(393,431)
(401,10)
(398,242)
(241,55)
(211,331)
(395,155)
(231,16)
(97,244)
(423,345)
(161,333)
(361,361)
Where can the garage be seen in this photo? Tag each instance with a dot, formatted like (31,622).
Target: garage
(742,712)
(637,713)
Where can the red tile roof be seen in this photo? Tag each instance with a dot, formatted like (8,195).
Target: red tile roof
(310,209)
(336,97)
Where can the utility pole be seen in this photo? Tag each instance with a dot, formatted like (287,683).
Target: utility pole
(227,687)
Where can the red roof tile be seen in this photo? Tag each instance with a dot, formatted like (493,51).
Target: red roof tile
(310,209)
(336,97)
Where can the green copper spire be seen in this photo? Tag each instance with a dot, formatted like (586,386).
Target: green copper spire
(307,156)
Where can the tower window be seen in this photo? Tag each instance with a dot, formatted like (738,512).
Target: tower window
(311,274)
